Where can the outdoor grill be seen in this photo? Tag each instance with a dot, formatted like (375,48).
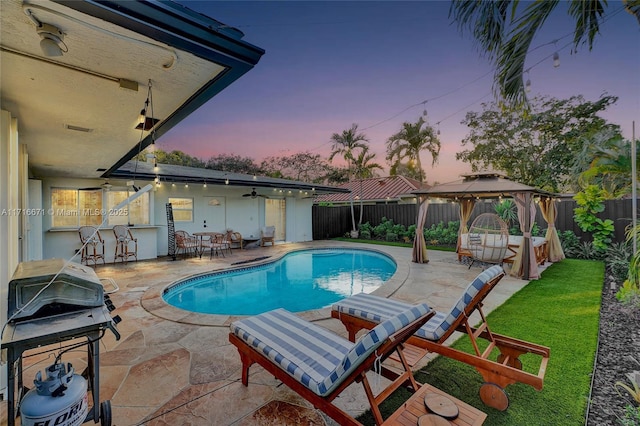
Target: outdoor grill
(50,302)
(52,287)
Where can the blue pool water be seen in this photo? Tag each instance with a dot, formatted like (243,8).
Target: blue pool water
(301,280)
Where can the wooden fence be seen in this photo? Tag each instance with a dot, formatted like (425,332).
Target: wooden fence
(331,222)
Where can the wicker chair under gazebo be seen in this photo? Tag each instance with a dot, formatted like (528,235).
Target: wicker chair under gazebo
(488,239)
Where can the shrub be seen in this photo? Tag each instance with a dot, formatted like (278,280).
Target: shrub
(587,251)
(443,234)
(365,235)
(570,243)
(590,202)
(629,293)
(617,258)
(507,211)
(391,236)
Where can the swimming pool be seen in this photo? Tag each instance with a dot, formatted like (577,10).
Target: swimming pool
(299,281)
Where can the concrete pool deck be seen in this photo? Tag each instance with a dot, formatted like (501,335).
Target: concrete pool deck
(173,367)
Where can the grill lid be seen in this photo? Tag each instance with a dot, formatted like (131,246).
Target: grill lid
(75,287)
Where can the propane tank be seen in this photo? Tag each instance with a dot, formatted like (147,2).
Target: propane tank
(59,400)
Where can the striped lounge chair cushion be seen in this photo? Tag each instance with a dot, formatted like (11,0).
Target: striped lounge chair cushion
(314,356)
(376,309)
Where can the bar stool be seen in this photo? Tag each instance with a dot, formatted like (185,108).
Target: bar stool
(92,245)
(124,238)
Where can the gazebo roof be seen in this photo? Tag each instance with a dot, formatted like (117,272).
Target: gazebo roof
(480,185)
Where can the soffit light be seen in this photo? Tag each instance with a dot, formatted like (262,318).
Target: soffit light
(52,40)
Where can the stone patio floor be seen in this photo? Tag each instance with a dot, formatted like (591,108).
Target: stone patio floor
(171,367)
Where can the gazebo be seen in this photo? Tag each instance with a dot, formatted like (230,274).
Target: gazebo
(476,186)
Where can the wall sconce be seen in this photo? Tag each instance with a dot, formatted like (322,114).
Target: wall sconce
(52,39)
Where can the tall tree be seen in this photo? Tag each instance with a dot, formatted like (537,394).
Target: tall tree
(537,147)
(407,169)
(303,166)
(346,144)
(176,158)
(505,29)
(363,165)
(409,142)
(364,168)
(233,164)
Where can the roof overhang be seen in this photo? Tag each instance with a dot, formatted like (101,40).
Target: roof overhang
(166,173)
(77,112)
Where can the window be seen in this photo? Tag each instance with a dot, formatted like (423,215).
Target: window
(76,207)
(182,209)
(134,213)
(72,208)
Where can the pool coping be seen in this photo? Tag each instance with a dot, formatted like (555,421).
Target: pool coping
(153,302)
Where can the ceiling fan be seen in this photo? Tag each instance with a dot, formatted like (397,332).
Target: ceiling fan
(106,186)
(254,194)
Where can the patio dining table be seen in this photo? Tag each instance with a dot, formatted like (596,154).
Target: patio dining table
(201,235)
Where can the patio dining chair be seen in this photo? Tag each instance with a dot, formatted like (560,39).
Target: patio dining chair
(364,311)
(126,243)
(92,245)
(215,243)
(186,243)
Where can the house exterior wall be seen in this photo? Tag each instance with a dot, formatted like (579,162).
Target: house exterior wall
(10,188)
(64,242)
(242,214)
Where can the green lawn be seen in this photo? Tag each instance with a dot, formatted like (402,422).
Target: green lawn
(561,311)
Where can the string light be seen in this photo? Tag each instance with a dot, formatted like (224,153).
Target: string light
(556,59)
(527,85)
(226,181)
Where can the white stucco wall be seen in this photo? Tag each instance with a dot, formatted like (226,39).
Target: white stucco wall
(242,214)
(63,242)
(10,158)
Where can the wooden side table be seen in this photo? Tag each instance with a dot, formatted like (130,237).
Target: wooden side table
(414,407)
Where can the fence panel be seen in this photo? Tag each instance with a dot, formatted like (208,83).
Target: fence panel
(331,222)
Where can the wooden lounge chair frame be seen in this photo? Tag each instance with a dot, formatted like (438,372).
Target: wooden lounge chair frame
(393,344)
(497,375)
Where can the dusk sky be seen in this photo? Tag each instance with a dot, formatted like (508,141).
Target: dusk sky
(331,64)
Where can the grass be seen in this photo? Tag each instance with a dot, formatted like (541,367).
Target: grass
(561,311)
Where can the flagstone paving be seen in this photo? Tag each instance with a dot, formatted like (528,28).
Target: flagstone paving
(172,367)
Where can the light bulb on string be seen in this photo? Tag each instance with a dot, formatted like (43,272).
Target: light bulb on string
(556,59)
(527,85)
(438,131)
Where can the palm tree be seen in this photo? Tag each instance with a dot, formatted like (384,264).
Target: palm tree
(345,144)
(410,141)
(504,31)
(364,168)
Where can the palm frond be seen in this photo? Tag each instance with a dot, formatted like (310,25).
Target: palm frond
(588,14)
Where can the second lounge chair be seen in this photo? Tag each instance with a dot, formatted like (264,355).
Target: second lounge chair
(364,311)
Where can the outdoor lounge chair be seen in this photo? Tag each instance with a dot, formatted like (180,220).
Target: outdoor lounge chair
(364,311)
(319,364)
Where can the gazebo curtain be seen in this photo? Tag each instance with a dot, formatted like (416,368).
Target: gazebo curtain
(419,244)
(466,207)
(554,248)
(526,216)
